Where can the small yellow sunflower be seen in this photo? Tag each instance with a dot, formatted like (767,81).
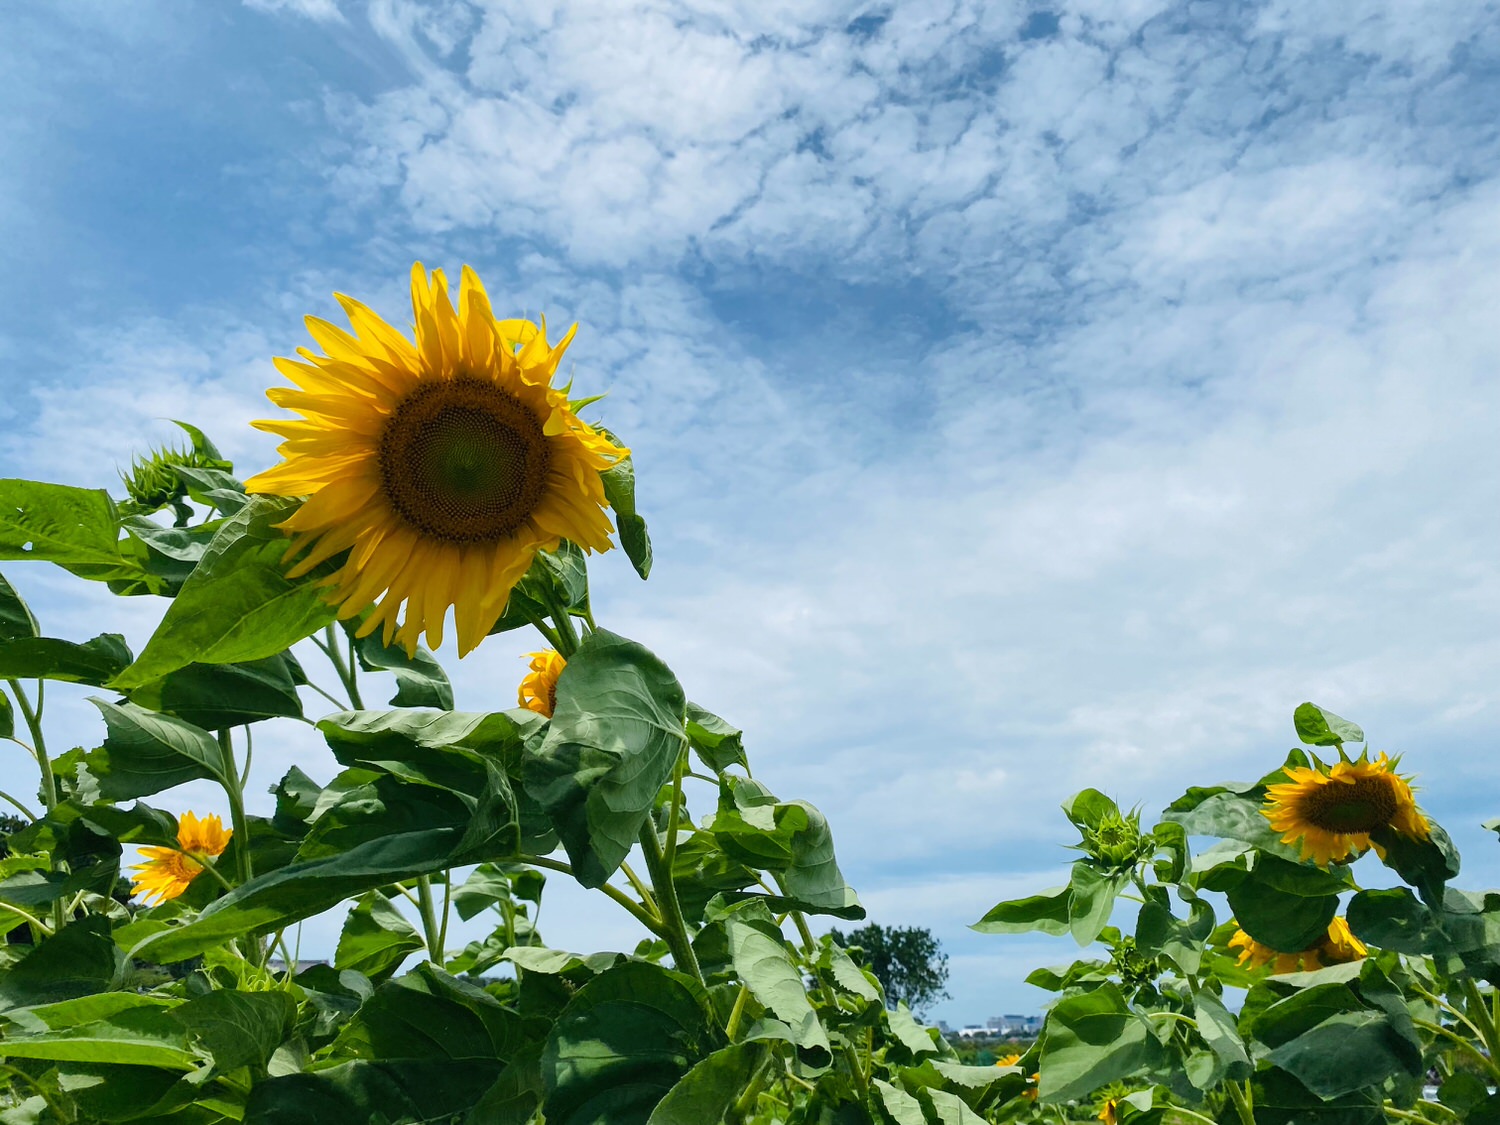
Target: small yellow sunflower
(441,466)
(168,871)
(1333,813)
(1110,1113)
(538,691)
(1339,946)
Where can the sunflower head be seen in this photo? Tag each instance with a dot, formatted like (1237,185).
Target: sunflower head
(1116,841)
(154,483)
(1337,947)
(1333,811)
(538,691)
(168,872)
(442,464)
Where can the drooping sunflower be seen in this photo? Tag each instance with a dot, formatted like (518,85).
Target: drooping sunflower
(1109,1113)
(1334,812)
(168,871)
(441,466)
(1337,947)
(538,691)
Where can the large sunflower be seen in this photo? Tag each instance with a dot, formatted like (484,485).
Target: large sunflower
(1333,813)
(1337,947)
(441,466)
(168,871)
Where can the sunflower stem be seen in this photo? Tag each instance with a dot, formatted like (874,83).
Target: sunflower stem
(431,935)
(27,813)
(1240,1096)
(1479,1016)
(671,911)
(562,620)
(38,745)
(236,795)
(642,914)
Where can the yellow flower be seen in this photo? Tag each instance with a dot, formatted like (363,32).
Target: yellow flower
(441,466)
(1110,1113)
(168,871)
(1337,947)
(1011,1060)
(1334,813)
(538,690)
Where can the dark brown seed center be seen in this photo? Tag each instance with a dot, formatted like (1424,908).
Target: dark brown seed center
(1367,804)
(463,461)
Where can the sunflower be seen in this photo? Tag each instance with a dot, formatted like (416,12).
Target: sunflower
(1012,1060)
(1333,813)
(1337,947)
(538,691)
(1110,1113)
(440,466)
(168,871)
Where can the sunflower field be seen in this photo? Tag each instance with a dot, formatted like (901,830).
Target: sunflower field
(1280,951)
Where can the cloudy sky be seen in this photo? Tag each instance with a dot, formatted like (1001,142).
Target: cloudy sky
(1024,395)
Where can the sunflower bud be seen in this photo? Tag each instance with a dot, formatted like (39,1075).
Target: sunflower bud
(153,482)
(1116,842)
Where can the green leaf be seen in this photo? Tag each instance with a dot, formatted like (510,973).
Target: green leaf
(1395,919)
(717,743)
(376,938)
(1091,1039)
(765,965)
(16,621)
(76,528)
(1346,1052)
(902,1108)
(623,1042)
(238,1028)
(615,736)
(237,605)
(430,1092)
(848,975)
(1425,864)
(44,658)
(138,1036)
(1284,905)
(79,959)
(1089,809)
(217,696)
(619,490)
(7,716)
(427,1014)
(1281,1100)
(1047,912)
(1158,932)
(707,1090)
(1317,727)
(420,679)
(145,752)
(1221,1032)
(908,1032)
(1092,900)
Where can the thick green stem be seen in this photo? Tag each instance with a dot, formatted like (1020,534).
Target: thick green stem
(675,928)
(1240,1096)
(231,783)
(674,815)
(38,742)
(562,621)
(27,813)
(745,1103)
(1467,1044)
(1479,1017)
(431,934)
(737,1013)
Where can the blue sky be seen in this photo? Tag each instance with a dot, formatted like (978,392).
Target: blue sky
(1025,396)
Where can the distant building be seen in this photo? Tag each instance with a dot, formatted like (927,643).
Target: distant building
(1014,1025)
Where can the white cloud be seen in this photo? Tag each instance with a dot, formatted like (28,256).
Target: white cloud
(320,11)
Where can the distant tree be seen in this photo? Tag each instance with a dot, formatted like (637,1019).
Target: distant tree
(907,960)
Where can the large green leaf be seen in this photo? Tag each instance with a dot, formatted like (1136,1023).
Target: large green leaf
(428,1014)
(238,605)
(1092,1039)
(616,735)
(138,1036)
(238,1028)
(146,752)
(376,938)
(429,1092)
(1093,899)
(791,839)
(719,744)
(216,696)
(765,965)
(707,1091)
(79,959)
(1047,912)
(76,528)
(625,1039)
(93,662)
(1284,905)
(16,620)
